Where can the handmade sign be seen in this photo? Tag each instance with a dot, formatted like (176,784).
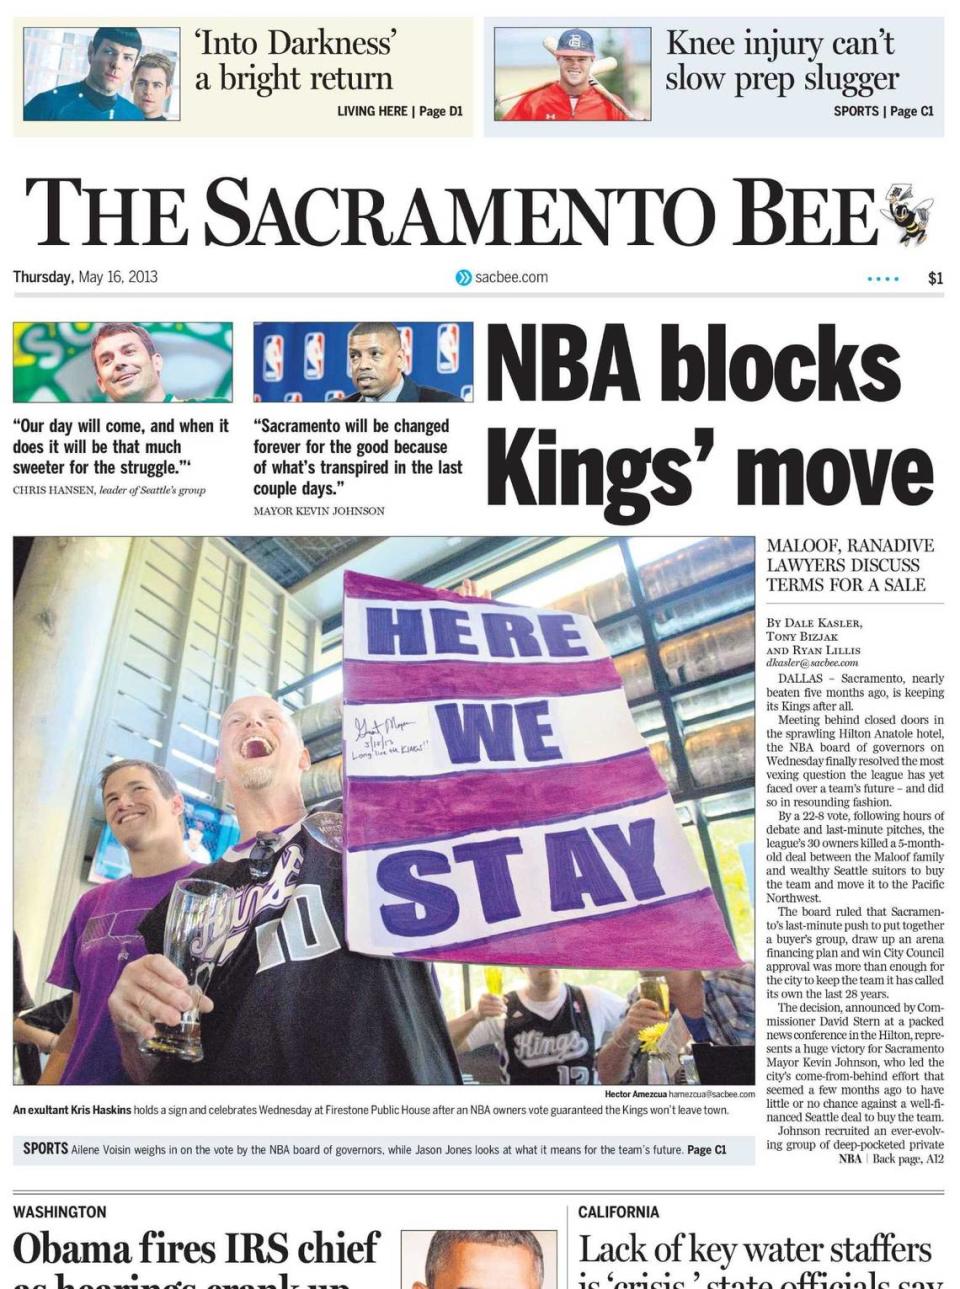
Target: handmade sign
(499,803)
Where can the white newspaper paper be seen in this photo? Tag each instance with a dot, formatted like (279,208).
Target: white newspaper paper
(677,290)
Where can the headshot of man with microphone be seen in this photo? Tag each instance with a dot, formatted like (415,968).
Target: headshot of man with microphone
(578,94)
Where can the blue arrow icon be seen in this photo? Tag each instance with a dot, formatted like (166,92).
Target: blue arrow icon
(464,277)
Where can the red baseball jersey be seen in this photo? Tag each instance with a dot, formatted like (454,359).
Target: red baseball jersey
(553,104)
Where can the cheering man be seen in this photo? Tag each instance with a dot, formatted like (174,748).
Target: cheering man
(288,1002)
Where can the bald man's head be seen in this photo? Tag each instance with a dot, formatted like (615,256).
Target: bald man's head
(260,747)
(483,1260)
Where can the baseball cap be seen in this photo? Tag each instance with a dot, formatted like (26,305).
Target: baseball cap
(575,41)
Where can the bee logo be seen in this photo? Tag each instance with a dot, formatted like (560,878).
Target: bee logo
(907,213)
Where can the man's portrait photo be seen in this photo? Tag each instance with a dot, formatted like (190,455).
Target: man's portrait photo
(122,362)
(481,1259)
(381,361)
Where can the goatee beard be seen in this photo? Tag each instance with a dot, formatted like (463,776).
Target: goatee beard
(254,776)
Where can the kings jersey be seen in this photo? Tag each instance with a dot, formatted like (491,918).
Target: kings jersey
(561,1050)
(291,1003)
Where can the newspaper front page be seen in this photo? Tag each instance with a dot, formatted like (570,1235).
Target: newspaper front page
(504,843)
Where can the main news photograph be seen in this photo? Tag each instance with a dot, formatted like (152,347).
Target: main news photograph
(334,810)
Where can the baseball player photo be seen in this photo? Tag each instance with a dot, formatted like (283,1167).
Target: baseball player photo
(572,75)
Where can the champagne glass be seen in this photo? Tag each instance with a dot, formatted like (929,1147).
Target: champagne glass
(199,917)
(326,827)
(324,823)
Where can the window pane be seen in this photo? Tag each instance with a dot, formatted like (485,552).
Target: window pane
(723,752)
(725,646)
(635,673)
(703,606)
(712,700)
(733,844)
(545,588)
(691,563)
(621,636)
(598,600)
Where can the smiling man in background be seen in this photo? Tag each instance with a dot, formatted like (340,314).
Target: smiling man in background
(112,55)
(145,812)
(288,1002)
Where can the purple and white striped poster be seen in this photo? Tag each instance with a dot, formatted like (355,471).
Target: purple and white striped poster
(499,803)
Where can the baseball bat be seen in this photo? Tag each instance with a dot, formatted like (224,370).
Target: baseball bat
(612,98)
(602,65)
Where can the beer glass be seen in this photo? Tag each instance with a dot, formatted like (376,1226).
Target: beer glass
(655,989)
(199,917)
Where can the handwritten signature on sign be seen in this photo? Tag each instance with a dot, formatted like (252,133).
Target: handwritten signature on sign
(376,738)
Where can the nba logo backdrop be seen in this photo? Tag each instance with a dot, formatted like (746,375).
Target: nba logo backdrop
(310,358)
(448,348)
(272,369)
(313,355)
(406,344)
